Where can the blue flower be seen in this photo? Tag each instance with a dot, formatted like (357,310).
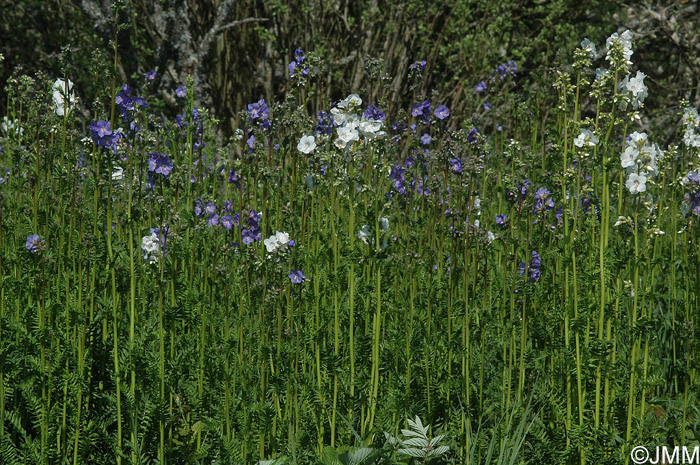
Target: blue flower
(296,276)
(442,112)
(426,139)
(181,91)
(480,87)
(33,243)
(151,75)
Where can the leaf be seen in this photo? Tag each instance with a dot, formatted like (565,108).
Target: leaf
(439,451)
(412,452)
(419,442)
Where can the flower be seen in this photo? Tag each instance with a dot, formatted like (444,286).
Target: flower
(425,139)
(296,276)
(181,91)
(213,219)
(150,248)
(533,269)
(456,166)
(620,43)
(589,47)
(586,138)
(61,92)
(227,222)
(501,220)
(442,112)
(34,243)
(159,164)
(352,100)
(151,75)
(636,183)
(480,87)
(307,144)
(363,234)
(384,224)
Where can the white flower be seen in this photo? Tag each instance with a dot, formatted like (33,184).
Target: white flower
(271,243)
(384,224)
(629,157)
(370,128)
(347,135)
(585,138)
(637,88)
(350,101)
(589,47)
(307,144)
(638,138)
(364,234)
(60,93)
(477,205)
(625,43)
(490,236)
(636,183)
(9,124)
(117,173)
(150,247)
(278,241)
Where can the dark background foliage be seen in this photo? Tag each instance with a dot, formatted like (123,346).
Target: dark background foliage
(238,51)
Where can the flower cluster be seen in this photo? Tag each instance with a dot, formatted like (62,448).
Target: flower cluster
(635,88)
(691,124)
(128,103)
(252,232)
(259,111)
(278,242)
(153,245)
(619,48)
(63,96)
(543,201)
(532,271)
(298,65)
(586,139)
(692,197)
(639,159)
(103,136)
(350,126)
(159,164)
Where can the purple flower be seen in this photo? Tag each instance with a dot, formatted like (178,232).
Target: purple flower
(487,106)
(159,164)
(151,75)
(181,91)
(299,55)
(543,200)
(425,139)
(213,219)
(373,113)
(258,110)
(199,207)
(533,268)
(442,112)
(480,87)
(210,208)
(227,222)
(419,65)
(473,136)
(501,221)
(234,178)
(33,243)
(292,68)
(101,132)
(251,141)
(456,166)
(296,276)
